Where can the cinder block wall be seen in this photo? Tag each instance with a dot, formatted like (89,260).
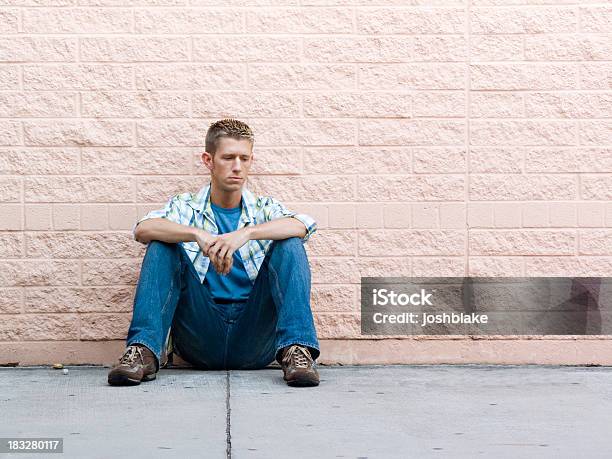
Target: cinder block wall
(430,137)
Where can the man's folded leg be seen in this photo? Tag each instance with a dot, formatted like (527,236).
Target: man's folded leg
(199,332)
(168,284)
(277,321)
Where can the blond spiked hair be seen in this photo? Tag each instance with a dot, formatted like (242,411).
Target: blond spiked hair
(228,127)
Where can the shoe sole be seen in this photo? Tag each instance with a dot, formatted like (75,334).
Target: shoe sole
(122,380)
(302,383)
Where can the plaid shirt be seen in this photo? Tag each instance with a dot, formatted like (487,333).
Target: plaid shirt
(195,210)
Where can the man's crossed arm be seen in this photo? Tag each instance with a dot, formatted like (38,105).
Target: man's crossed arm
(220,248)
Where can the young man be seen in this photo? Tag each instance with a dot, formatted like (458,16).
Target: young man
(227,272)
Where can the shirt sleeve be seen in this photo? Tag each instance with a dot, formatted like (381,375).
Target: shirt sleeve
(275,210)
(171,211)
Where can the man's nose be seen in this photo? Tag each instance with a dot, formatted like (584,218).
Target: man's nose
(237,165)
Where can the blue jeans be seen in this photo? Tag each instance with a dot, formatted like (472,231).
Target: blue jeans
(241,335)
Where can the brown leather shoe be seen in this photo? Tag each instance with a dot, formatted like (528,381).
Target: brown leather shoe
(137,364)
(298,367)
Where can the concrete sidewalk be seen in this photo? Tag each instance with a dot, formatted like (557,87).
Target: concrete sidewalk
(356,412)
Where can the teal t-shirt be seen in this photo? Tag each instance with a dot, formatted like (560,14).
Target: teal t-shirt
(236,285)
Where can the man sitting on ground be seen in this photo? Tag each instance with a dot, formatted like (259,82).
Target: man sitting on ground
(226,272)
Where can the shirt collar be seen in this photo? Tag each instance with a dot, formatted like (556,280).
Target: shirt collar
(201,204)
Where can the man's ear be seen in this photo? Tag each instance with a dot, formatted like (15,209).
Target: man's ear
(207,160)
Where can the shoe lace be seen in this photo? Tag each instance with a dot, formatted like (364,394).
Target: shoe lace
(300,355)
(130,355)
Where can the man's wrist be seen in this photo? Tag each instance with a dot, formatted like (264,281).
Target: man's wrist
(248,230)
(195,232)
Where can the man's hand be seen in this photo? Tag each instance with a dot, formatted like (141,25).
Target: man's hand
(204,240)
(221,249)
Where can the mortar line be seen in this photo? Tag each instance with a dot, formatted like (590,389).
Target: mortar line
(468,33)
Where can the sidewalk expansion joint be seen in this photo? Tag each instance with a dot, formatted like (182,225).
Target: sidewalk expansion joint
(228,413)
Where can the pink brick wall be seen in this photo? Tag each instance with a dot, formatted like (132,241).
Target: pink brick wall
(447,138)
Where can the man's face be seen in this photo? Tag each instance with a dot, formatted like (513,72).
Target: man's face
(229,166)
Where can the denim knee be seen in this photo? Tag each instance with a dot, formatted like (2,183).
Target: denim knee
(162,249)
(290,241)
(291,244)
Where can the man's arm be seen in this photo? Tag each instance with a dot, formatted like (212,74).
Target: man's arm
(223,247)
(162,229)
(281,228)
